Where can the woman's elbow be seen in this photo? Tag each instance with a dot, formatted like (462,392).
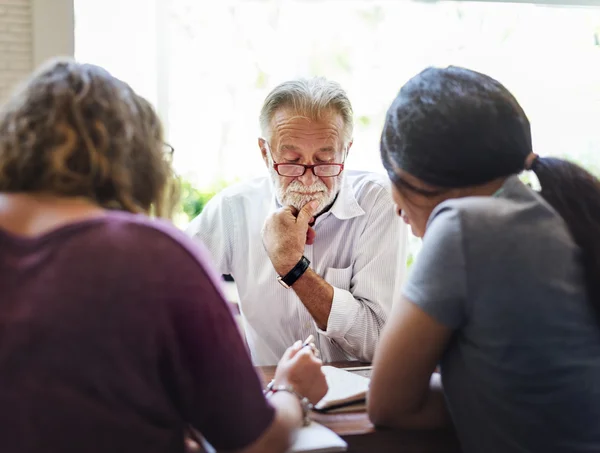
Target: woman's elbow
(276,439)
(427,413)
(389,411)
(381,412)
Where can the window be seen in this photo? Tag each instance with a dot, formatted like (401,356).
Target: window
(208,66)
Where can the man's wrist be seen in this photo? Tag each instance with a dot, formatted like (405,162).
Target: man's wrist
(285,266)
(295,273)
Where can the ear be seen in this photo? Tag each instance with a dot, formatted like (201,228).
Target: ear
(348,149)
(262,144)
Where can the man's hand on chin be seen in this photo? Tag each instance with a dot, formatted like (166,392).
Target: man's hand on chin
(285,233)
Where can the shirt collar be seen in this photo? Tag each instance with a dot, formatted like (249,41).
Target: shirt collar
(344,207)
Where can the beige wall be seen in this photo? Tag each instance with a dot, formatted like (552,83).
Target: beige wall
(32,31)
(16,43)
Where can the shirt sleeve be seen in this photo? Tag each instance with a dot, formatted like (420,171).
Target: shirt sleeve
(437,281)
(217,385)
(357,316)
(214,227)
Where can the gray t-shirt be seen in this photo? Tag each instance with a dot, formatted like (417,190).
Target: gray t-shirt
(522,372)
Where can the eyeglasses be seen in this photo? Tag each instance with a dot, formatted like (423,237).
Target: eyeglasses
(321,170)
(168,149)
(297,170)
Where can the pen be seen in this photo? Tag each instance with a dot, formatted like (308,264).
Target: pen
(308,341)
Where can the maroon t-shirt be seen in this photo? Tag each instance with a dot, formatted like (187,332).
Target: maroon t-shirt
(115,338)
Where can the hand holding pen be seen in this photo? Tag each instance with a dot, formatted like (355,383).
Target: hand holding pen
(300,367)
(310,343)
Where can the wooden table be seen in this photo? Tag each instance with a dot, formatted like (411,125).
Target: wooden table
(360,434)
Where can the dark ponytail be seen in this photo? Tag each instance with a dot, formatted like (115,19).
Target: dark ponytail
(575,194)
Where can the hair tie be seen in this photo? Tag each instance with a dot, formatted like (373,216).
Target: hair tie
(530,160)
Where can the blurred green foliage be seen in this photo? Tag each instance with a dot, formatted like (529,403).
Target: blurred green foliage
(364,121)
(193,200)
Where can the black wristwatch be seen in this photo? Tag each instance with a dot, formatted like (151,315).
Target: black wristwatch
(290,278)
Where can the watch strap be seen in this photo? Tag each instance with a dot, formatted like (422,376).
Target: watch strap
(292,276)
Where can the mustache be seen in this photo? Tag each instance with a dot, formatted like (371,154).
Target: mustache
(297,187)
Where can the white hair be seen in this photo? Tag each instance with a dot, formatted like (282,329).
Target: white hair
(310,98)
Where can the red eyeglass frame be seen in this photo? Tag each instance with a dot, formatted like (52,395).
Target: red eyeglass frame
(306,167)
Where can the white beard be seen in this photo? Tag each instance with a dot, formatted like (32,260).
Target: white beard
(297,194)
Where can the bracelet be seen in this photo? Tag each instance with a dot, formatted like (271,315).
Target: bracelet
(304,403)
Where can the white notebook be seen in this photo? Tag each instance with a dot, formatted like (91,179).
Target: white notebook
(345,388)
(316,438)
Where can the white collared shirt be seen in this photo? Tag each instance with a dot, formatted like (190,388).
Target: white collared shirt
(360,249)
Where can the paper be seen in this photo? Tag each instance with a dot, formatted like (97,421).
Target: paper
(316,438)
(344,388)
(361,371)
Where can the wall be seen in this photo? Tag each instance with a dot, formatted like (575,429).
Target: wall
(16,43)
(31,31)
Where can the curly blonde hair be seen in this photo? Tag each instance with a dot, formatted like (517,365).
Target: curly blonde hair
(74,130)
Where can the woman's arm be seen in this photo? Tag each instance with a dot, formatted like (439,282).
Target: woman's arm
(300,369)
(432,307)
(404,393)
(211,375)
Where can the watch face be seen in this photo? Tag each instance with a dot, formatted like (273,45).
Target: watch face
(284,284)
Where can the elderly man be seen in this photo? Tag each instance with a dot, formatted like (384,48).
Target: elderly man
(314,249)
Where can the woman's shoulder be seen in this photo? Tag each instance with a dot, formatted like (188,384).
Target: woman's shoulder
(118,236)
(515,215)
(515,203)
(140,231)
(147,246)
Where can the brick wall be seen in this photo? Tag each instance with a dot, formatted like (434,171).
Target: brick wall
(16,44)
